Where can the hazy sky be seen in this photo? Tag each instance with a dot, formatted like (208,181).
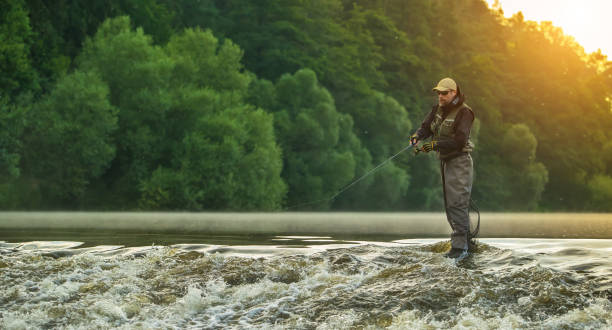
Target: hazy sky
(588,21)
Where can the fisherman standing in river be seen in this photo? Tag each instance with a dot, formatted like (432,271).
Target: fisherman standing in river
(449,124)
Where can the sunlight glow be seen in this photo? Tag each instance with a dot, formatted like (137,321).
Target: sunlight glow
(587,21)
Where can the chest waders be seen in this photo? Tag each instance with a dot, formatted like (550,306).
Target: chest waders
(471,234)
(456,168)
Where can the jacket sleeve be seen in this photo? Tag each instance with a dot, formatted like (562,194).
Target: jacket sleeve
(463,125)
(425,130)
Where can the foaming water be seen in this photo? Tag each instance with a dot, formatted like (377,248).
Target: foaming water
(299,282)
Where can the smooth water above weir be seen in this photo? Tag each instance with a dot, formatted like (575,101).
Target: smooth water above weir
(525,225)
(263,271)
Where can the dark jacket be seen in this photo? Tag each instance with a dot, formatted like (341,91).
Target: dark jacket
(462,126)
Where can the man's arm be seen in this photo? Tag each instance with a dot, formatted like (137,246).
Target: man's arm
(463,125)
(425,130)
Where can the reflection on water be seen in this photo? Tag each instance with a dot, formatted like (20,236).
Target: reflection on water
(300,282)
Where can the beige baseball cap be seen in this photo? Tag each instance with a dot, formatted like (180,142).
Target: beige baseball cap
(446,84)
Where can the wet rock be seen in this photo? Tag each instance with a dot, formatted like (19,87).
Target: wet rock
(191,255)
(343,259)
(239,271)
(163,298)
(94,287)
(440,247)
(56,312)
(286,276)
(58,254)
(396,272)
(108,266)
(131,310)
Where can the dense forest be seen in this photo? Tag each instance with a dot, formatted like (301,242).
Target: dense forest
(262,105)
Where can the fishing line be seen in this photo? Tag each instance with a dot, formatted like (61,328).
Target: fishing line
(354,182)
(474,207)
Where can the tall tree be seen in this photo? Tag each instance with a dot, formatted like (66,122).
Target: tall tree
(17,76)
(69,139)
(320,151)
(227,156)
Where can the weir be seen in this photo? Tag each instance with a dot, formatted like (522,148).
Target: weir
(520,225)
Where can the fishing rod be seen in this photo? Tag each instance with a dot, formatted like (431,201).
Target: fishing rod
(417,150)
(354,182)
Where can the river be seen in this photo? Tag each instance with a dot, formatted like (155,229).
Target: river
(71,277)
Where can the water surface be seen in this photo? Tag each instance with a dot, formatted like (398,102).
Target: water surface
(302,271)
(300,282)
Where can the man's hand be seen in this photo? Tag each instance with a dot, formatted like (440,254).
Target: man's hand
(429,146)
(414,139)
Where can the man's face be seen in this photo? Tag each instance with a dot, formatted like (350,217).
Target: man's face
(446,97)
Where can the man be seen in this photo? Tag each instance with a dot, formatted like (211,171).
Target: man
(449,124)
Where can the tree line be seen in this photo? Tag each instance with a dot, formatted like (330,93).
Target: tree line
(264,105)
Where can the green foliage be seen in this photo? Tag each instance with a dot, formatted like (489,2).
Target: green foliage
(69,139)
(11,126)
(382,123)
(15,38)
(319,150)
(600,188)
(520,179)
(519,146)
(389,186)
(201,61)
(139,77)
(12,123)
(223,153)
(60,28)
(224,164)
(201,125)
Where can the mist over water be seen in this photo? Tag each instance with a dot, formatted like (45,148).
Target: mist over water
(78,278)
(527,225)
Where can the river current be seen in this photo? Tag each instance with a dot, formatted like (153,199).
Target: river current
(301,282)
